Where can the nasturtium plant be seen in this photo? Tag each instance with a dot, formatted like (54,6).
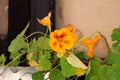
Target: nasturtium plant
(58,53)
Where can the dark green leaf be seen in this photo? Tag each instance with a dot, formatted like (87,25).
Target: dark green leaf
(116,34)
(37,76)
(113,58)
(80,54)
(114,72)
(116,46)
(56,75)
(97,71)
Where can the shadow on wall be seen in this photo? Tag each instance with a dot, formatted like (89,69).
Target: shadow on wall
(3,44)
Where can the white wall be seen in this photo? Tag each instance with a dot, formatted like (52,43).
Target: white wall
(90,16)
(3,16)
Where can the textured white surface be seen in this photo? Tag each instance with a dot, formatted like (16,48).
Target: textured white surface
(16,73)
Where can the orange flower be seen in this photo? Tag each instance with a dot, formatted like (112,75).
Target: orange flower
(46,21)
(90,44)
(62,40)
(71,29)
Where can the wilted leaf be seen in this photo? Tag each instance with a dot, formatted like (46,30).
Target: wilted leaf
(74,61)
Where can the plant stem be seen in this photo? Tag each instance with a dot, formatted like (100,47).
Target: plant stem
(35,33)
(104,39)
(15,59)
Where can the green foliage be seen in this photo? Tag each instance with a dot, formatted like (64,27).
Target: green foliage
(16,47)
(56,75)
(116,34)
(67,69)
(38,76)
(19,42)
(97,71)
(80,54)
(2,60)
(113,58)
(43,43)
(116,38)
(44,62)
(33,46)
(108,71)
(42,57)
(47,54)
(114,71)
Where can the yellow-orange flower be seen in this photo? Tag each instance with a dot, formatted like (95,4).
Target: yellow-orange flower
(71,29)
(80,71)
(62,40)
(46,21)
(90,44)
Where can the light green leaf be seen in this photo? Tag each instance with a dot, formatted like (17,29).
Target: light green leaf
(19,42)
(43,43)
(44,63)
(38,76)
(67,69)
(2,59)
(33,46)
(47,54)
(15,63)
(56,75)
